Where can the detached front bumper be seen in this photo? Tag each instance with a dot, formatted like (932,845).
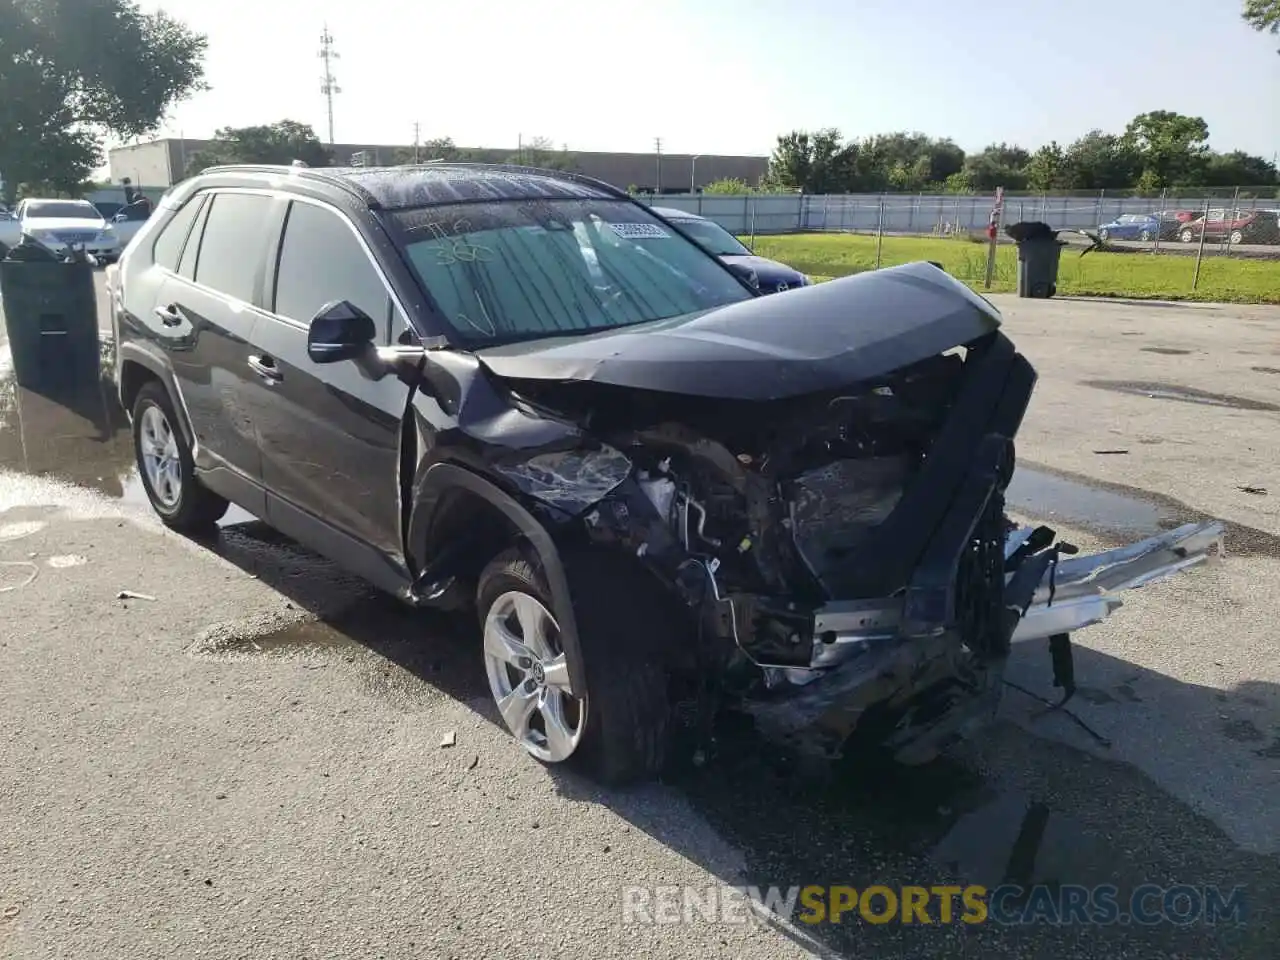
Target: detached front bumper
(867,655)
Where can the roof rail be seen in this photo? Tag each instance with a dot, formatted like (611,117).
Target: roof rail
(305,173)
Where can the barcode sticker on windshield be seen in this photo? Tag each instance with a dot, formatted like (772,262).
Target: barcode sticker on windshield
(639,231)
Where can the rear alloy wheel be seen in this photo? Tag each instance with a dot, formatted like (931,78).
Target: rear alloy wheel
(1236,237)
(616,729)
(1103,234)
(1186,236)
(1145,236)
(168,472)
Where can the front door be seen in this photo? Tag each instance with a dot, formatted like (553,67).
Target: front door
(330,435)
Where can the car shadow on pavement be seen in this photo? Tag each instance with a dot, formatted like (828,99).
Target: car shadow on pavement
(1183,793)
(1032,800)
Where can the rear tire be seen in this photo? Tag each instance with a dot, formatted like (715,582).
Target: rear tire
(1186,236)
(1103,235)
(625,711)
(1237,237)
(178,497)
(1145,236)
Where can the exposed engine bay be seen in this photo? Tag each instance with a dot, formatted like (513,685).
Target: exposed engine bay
(842,551)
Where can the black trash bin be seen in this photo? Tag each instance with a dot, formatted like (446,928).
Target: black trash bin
(51,319)
(1039,253)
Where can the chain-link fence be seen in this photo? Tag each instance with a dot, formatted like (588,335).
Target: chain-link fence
(1164,245)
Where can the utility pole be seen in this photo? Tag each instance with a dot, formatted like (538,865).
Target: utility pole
(657,152)
(417,130)
(328,84)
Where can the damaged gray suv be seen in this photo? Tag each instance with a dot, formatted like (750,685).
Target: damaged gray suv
(524,393)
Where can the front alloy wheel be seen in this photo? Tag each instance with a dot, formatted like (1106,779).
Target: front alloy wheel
(529,678)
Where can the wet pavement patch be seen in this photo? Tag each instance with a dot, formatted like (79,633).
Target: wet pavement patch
(1167,351)
(1116,512)
(1047,496)
(1167,391)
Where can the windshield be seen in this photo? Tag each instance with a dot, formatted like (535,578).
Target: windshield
(715,239)
(59,209)
(517,270)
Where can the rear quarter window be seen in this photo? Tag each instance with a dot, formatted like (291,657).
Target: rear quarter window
(167,250)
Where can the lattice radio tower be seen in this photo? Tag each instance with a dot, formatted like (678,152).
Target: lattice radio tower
(328,84)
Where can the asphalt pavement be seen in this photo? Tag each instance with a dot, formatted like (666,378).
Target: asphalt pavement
(245,754)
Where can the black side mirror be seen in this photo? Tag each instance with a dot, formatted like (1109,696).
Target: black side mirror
(340,331)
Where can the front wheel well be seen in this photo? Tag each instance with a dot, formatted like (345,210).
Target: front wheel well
(467,531)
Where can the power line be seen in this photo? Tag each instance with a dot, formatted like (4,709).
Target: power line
(328,83)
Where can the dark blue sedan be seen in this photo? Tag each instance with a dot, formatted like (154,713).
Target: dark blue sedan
(772,276)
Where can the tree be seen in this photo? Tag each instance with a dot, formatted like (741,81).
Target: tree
(997,165)
(441,148)
(1100,161)
(1262,15)
(541,152)
(1238,169)
(277,143)
(818,162)
(1047,169)
(1171,148)
(73,71)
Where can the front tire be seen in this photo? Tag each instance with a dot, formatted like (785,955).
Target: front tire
(1104,235)
(616,729)
(1186,236)
(1236,238)
(168,472)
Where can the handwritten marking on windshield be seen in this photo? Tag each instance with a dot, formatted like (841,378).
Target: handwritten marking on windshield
(454,245)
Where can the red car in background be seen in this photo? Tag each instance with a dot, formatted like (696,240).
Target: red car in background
(1234,226)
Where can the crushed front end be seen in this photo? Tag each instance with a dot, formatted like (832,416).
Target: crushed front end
(844,555)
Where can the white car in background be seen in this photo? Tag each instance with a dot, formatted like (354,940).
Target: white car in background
(61,223)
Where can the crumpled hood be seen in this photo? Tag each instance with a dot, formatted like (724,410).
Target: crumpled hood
(814,338)
(769,272)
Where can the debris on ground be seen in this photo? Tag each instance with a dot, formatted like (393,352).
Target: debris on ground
(475,762)
(1106,452)
(1257,491)
(448,740)
(132,595)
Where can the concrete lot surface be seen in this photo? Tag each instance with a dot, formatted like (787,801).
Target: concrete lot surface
(247,761)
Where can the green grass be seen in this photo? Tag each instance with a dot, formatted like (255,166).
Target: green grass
(1136,275)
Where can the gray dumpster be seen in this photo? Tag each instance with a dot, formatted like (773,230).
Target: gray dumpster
(51,319)
(1039,252)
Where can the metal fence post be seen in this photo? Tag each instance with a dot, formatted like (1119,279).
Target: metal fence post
(825,198)
(752,244)
(800,213)
(1204,228)
(1164,198)
(1232,215)
(746,213)
(880,231)
(1097,210)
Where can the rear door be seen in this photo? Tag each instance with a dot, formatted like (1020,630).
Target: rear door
(330,435)
(206,314)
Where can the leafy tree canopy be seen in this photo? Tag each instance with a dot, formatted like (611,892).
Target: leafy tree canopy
(75,71)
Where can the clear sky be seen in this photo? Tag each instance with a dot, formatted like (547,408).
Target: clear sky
(727,76)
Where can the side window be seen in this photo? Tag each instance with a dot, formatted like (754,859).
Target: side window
(233,243)
(322,261)
(191,252)
(167,250)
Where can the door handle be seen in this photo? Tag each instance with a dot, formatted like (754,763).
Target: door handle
(265,367)
(169,316)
